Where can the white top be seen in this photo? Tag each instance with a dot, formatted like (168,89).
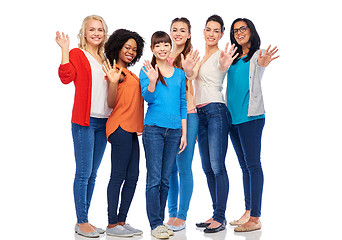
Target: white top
(99,107)
(208,85)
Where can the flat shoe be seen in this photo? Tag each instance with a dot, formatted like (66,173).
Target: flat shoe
(177,228)
(84,234)
(215,230)
(202,224)
(248,229)
(238,222)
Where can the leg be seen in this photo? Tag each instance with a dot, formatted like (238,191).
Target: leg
(153,142)
(172,198)
(131,180)
(184,163)
(121,142)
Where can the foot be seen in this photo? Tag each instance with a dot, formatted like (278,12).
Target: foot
(204,224)
(178,222)
(243,219)
(215,227)
(86,228)
(99,230)
(252,225)
(214,224)
(171,220)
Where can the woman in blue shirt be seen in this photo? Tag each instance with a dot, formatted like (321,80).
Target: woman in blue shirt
(164,134)
(245,103)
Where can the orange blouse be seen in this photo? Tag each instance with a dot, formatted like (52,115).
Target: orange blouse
(128,112)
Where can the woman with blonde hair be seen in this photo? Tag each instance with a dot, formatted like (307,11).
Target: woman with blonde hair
(83,66)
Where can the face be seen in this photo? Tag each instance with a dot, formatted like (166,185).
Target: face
(212,33)
(94,32)
(242,33)
(128,51)
(162,50)
(179,33)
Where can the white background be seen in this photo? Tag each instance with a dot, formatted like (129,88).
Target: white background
(301,146)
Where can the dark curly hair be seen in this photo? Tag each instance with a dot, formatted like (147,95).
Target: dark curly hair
(117,40)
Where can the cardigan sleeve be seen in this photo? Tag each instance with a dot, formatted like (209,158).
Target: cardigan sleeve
(67,72)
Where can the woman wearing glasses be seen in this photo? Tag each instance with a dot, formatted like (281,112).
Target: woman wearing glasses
(245,103)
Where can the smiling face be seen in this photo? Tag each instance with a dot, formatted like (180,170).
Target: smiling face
(128,52)
(162,50)
(94,33)
(212,33)
(179,33)
(242,33)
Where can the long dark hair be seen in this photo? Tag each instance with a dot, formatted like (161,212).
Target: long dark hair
(117,40)
(159,37)
(254,39)
(187,47)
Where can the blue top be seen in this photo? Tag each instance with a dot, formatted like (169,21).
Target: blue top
(238,92)
(167,104)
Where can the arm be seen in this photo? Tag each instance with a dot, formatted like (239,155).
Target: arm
(63,41)
(148,79)
(183,142)
(113,77)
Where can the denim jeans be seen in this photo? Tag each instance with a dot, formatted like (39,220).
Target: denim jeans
(213,130)
(246,139)
(161,147)
(89,145)
(125,171)
(184,186)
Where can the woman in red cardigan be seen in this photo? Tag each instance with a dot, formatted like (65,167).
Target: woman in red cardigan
(83,66)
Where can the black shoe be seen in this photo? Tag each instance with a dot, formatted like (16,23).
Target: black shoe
(215,230)
(202,224)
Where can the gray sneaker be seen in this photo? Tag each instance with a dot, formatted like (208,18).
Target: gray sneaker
(132,229)
(84,234)
(119,231)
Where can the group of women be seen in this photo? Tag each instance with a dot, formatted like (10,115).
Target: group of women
(109,106)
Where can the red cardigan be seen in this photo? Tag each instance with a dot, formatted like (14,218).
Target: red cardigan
(78,70)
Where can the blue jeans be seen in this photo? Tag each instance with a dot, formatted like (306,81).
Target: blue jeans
(125,171)
(161,147)
(184,186)
(246,139)
(213,130)
(89,145)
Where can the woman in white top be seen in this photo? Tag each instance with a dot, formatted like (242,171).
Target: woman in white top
(83,66)
(214,120)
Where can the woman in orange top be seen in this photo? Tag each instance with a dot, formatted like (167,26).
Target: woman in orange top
(124,48)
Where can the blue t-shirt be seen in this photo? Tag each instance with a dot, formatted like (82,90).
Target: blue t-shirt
(238,92)
(167,104)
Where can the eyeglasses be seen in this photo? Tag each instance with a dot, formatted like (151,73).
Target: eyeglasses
(241,29)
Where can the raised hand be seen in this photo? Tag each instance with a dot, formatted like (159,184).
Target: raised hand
(62,40)
(152,73)
(113,74)
(267,58)
(190,62)
(227,57)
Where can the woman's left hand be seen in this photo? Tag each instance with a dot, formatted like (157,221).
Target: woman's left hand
(267,58)
(227,58)
(183,144)
(190,61)
(113,74)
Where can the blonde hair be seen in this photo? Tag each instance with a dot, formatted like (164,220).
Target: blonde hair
(83,43)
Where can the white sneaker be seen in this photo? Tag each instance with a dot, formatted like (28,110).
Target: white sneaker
(160,232)
(132,229)
(169,230)
(119,231)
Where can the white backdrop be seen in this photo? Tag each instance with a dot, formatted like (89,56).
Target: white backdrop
(301,153)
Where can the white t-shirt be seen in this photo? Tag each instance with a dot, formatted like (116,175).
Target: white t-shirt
(99,107)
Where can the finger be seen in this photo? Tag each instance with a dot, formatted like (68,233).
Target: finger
(274,52)
(156,67)
(226,48)
(196,54)
(63,35)
(260,54)
(114,63)
(120,71)
(275,57)
(274,48)
(58,34)
(268,49)
(235,56)
(182,58)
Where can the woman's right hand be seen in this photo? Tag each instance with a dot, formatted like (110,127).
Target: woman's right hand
(113,74)
(62,40)
(151,73)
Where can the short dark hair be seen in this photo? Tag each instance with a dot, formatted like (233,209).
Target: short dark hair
(254,39)
(117,40)
(216,18)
